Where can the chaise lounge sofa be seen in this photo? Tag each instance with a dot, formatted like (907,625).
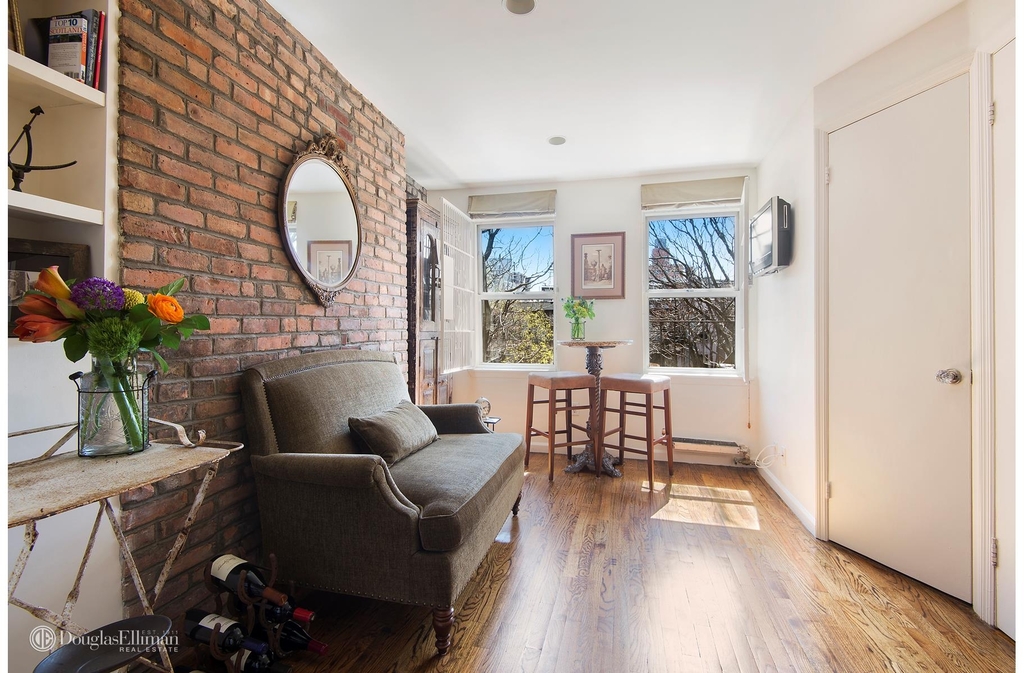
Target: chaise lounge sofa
(339,517)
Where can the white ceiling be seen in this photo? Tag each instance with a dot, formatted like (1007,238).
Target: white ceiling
(639,86)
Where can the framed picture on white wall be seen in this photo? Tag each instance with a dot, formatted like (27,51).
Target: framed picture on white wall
(598,265)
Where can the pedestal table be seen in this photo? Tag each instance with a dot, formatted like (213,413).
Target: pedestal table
(595,362)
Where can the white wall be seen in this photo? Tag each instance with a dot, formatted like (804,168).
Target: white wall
(988,18)
(323,216)
(869,84)
(701,408)
(782,311)
(782,306)
(40,394)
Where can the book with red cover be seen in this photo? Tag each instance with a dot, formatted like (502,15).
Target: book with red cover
(99,50)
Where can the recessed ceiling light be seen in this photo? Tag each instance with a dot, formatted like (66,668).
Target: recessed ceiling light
(519,6)
(557,140)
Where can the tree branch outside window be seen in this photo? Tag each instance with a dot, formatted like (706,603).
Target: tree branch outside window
(517,260)
(693,291)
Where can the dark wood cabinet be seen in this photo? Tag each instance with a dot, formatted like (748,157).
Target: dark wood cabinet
(427,383)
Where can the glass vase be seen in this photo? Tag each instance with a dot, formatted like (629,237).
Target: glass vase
(579,331)
(113,408)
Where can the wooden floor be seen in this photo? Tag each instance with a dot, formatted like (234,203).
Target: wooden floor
(711,572)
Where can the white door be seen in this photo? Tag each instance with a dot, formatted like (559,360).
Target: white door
(899,312)
(1003,212)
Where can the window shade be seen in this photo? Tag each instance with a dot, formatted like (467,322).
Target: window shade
(512,205)
(718,191)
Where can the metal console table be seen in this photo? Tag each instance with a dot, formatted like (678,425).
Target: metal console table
(52,484)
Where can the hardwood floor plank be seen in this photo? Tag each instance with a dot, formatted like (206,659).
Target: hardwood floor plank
(708,572)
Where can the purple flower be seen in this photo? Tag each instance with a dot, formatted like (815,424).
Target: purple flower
(97,294)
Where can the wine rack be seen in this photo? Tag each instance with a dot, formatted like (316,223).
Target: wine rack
(254,613)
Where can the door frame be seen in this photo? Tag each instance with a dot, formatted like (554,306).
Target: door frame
(977,67)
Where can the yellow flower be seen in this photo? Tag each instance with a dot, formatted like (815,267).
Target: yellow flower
(132,298)
(165,307)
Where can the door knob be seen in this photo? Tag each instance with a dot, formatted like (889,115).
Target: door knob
(949,376)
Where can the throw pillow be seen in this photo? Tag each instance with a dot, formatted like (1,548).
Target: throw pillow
(395,433)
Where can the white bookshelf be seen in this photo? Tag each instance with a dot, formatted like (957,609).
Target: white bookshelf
(79,123)
(73,205)
(28,80)
(42,209)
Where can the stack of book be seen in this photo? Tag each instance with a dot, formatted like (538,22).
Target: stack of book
(72,44)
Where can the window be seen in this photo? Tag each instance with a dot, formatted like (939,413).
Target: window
(517,293)
(693,294)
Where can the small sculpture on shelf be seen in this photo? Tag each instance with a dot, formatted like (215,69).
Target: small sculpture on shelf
(18,171)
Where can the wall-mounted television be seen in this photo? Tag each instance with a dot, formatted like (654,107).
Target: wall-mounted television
(771,237)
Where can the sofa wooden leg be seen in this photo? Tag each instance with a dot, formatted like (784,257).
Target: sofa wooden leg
(444,618)
(515,507)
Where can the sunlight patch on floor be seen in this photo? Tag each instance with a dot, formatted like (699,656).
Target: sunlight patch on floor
(710,493)
(645,486)
(709,506)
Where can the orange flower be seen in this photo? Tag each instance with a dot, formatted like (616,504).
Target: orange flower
(37,304)
(39,328)
(52,284)
(165,307)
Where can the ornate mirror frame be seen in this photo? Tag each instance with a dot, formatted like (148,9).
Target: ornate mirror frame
(326,150)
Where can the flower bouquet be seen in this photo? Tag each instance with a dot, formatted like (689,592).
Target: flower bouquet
(578,310)
(97,317)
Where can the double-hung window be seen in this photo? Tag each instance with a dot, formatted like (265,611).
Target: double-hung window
(694,289)
(516,291)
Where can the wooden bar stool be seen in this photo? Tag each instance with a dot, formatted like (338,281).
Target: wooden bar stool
(646,385)
(553,382)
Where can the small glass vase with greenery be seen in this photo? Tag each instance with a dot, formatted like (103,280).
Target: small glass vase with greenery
(578,310)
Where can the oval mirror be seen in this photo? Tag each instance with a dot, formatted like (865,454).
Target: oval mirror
(319,220)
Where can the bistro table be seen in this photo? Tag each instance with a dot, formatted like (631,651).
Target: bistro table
(595,362)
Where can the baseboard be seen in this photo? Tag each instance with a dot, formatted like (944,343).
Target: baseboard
(797,508)
(660,455)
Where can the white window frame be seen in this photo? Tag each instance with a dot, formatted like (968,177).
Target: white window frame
(511,223)
(739,291)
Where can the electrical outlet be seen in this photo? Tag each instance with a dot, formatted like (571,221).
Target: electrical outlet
(782,453)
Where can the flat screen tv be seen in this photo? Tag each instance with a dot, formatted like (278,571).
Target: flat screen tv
(771,237)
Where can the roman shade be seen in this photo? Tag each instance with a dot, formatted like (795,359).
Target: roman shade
(519,204)
(714,192)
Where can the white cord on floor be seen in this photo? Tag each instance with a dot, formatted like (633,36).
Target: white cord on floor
(770,460)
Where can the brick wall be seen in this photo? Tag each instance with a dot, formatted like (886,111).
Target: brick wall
(413,190)
(215,98)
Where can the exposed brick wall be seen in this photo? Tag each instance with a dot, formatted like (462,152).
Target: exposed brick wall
(216,96)
(413,190)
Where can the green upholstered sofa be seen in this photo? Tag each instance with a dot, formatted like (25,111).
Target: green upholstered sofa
(340,519)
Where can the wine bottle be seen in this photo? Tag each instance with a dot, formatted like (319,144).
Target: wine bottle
(225,571)
(249,662)
(294,638)
(276,614)
(199,627)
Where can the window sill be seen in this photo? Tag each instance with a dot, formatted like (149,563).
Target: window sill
(697,377)
(498,369)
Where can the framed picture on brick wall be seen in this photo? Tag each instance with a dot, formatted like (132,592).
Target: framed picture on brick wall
(329,261)
(25,259)
(598,265)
